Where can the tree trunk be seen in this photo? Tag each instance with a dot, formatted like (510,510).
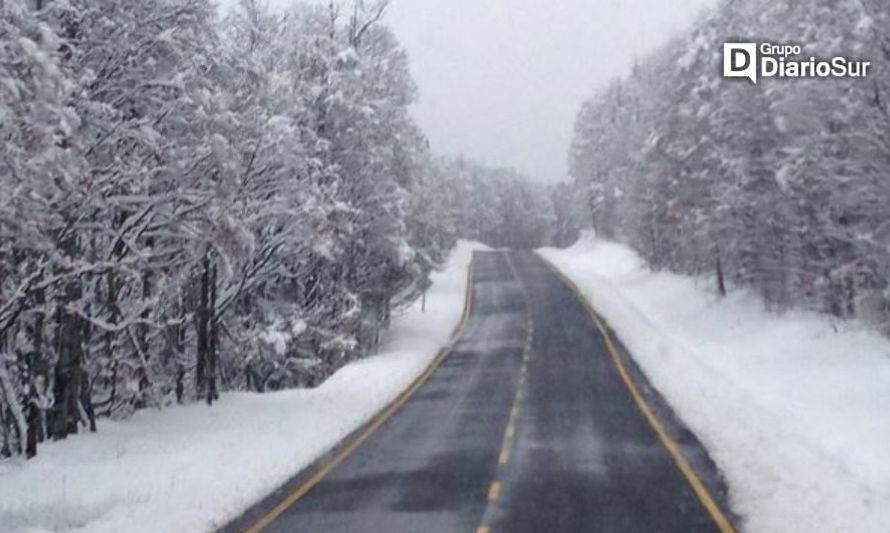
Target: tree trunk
(178,340)
(65,415)
(33,424)
(213,344)
(142,342)
(38,377)
(203,319)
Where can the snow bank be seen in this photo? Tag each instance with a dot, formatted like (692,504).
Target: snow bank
(793,412)
(193,468)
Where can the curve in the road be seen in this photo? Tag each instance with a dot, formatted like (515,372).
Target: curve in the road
(531,420)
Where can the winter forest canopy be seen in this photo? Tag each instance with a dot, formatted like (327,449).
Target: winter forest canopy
(193,202)
(783,187)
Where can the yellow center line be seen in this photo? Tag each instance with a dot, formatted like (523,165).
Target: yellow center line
(504,457)
(494,491)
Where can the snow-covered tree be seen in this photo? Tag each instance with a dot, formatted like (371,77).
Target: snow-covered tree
(778,186)
(191,204)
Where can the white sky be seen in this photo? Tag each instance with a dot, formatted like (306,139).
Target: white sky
(501,80)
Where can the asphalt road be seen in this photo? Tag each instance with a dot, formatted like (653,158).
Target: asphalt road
(527,426)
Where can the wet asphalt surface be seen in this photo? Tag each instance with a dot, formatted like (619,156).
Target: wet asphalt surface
(514,436)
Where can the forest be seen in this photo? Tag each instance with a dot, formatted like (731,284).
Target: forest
(194,202)
(781,188)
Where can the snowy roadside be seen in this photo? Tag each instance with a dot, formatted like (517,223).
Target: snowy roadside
(793,413)
(194,468)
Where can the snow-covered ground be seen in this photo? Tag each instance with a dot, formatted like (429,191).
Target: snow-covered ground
(793,412)
(193,468)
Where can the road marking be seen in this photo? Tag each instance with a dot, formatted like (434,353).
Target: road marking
(510,433)
(494,491)
(377,421)
(504,457)
(698,487)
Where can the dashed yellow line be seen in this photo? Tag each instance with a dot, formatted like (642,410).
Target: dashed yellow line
(504,457)
(494,492)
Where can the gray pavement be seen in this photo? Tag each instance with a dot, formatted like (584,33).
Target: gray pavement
(525,427)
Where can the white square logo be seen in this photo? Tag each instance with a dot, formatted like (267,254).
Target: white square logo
(740,61)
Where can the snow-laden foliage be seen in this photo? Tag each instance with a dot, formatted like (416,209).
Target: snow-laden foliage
(497,206)
(190,204)
(781,187)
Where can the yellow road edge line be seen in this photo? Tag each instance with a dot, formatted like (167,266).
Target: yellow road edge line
(377,421)
(698,487)
(483,529)
(494,491)
(511,430)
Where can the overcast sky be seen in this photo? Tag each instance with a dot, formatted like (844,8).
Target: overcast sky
(501,80)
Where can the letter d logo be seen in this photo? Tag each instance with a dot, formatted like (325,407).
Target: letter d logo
(740,61)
